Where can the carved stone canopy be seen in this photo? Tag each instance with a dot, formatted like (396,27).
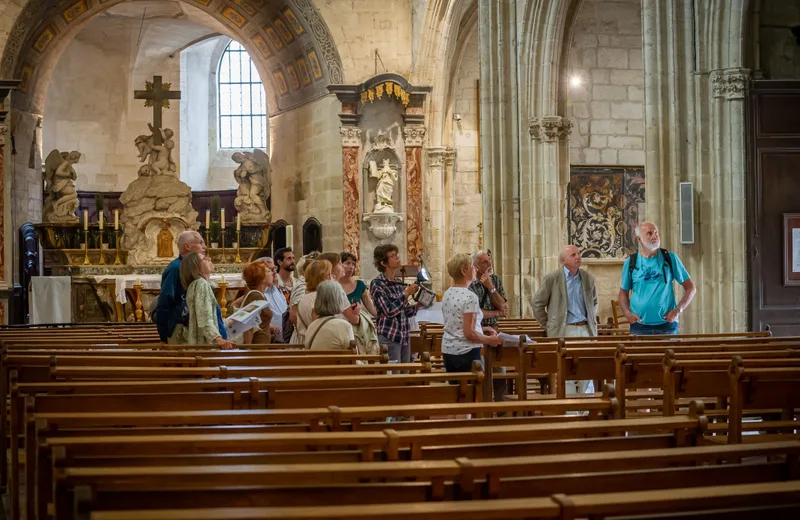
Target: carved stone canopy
(377,89)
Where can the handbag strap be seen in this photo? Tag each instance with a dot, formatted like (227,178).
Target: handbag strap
(310,343)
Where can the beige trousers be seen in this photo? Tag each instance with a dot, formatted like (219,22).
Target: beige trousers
(578,387)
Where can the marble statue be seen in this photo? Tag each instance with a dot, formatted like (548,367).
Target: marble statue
(387,176)
(59,176)
(158,156)
(253,177)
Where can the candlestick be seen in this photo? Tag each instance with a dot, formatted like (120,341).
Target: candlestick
(222,217)
(238,259)
(238,223)
(117,261)
(85,220)
(86,245)
(116,219)
(137,288)
(290,237)
(223,302)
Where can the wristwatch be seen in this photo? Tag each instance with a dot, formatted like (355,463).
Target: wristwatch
(494,290)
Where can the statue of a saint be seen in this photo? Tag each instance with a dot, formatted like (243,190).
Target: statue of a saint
(158,156)
(387,176)
(165,240)
(253,177)
(59,176)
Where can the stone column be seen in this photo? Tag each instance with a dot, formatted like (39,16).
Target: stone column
(499,99)
(414,137)
(3,197)
(694,131)
(439,162)
(351,143)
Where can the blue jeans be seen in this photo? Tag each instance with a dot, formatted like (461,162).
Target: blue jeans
(637,329)
(461,362)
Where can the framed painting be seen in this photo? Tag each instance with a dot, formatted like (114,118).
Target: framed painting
(791,249)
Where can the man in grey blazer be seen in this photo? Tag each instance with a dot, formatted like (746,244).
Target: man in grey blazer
(566,303)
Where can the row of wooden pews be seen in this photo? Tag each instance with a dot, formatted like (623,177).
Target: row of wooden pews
(104,429)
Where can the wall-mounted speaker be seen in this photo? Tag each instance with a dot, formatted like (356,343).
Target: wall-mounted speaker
(687,212)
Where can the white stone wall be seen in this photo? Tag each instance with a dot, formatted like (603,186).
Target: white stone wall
(306,156)
(465,217)
(360,26)
(90,106)
(608,105)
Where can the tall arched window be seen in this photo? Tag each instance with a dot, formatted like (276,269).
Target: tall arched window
(242,101)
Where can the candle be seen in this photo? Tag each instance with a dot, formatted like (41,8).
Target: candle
(85,220)
(290,237)
(100,220)
(116,219)
(223,279)
(222,217)
(238,223)
(138,281)
(208,218)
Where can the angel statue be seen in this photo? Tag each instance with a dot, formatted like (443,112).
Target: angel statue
(253,177)
(158,156)
(60,206)
(387,176)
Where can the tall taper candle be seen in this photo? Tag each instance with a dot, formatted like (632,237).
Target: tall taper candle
(208,218)
(100,220)
(85,220)
(222,217)
(290,237)
(116,219)
(238,223)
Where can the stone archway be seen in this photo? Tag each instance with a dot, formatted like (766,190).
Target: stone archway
(283,36)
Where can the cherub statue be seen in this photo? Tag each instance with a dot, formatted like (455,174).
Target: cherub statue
(59,176)
(253,177)
(387,176)
(158,157)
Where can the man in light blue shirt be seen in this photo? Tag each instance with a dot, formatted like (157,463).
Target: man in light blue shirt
(646,296)
(276,301)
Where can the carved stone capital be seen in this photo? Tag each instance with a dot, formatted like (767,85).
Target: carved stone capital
(730,83)
(351,136)
(550,128)
(414,135)
(439,156)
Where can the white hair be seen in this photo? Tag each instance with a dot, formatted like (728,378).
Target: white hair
(476,257)
(267,259)
(184,239)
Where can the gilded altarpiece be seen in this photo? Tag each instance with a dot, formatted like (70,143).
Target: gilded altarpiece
(603,208)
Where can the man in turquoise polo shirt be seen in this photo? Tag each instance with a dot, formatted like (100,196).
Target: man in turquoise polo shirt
(646,295)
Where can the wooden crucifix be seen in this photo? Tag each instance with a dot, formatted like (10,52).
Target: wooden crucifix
(157,96)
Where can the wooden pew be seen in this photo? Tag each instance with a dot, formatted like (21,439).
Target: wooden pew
(390,444)
(762,388)
(739,501)
(459,479)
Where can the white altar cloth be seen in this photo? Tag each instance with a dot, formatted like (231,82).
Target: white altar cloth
(153,281)
(51,299)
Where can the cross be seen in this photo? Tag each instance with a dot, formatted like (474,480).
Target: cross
(158,97)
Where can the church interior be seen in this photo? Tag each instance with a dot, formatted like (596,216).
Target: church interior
(555,164)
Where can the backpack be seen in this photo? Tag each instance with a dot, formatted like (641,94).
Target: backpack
(667,263)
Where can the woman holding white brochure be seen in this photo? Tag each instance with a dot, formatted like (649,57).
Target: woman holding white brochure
(258,277)
(463,335)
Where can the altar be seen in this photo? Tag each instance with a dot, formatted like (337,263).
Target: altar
(113,255)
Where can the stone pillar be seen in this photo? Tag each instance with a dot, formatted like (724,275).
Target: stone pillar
(499,99)
(438,166)
(4,196)
(351,143)
(414,137)
(544,188)
(694,131)
(26,183)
